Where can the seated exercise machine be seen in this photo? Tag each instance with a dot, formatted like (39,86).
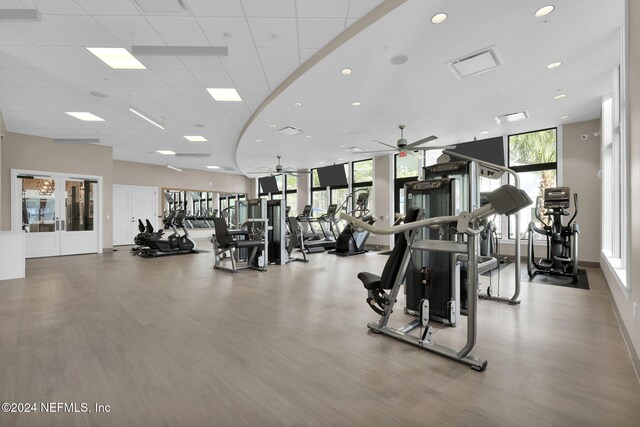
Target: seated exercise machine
(505,200)
(229,242)
(562,240)
(350,241)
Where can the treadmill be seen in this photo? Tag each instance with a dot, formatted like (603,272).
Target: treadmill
(327,225)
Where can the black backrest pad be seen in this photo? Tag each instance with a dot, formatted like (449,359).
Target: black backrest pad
(294,241)
(392,267)
(222,232)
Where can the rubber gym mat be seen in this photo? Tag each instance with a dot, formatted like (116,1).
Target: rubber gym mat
(566,281)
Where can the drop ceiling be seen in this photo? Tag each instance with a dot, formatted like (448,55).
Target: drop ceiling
(45,70)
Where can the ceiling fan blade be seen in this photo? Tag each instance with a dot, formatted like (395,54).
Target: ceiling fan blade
(291,171)
(440,147)
(376,151)
(422,141)
(384,143)
(260,172)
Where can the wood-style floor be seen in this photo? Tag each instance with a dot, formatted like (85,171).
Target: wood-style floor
(169,341)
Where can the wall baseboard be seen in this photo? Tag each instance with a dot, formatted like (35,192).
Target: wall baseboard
(635,360)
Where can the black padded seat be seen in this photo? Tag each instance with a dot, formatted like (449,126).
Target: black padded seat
(248,243)
(369,280)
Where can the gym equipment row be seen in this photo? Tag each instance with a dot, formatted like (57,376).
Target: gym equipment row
(462,233)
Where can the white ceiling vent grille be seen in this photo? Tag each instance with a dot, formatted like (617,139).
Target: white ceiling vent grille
(511,117)
(161,6)
(476,63)
(289,131)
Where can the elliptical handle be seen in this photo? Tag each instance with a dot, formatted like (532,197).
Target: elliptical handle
(575,209)
(538,213)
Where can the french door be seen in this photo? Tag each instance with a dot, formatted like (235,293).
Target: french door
(58,213)
(131,203)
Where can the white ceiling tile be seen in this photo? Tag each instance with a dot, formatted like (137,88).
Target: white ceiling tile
(32,77)
(39,33)
(162,62)
(130,30)
(274,32)
(254,94)
(279,59)
(241,59)
(179,30)
(271,8)
(201,62)
(127,94)
(216,28)
(77,58)
(177,78)
(160,93)
(56,7)
(213,78)
(108,7)
(194,94)
(316,33)
(8,38)
(107,77)
(248,78)
(359,8)
(83,30)
(142,78)
(71,77)
(28,57)
(275,77)
(322,9)
(216,7)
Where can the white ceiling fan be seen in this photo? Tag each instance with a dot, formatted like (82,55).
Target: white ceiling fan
(403,147)
(279,169)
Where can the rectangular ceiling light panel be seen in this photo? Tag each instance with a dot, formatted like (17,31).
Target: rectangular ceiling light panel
(19,15)
(224,94)
(475,63)
(196,138)
(166,152)
(85,116)
(117,58)
(511,117)
(180,50)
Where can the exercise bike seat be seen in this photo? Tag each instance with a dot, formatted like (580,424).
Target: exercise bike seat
(369,280)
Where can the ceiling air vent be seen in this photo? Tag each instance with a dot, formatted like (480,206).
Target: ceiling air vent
(173,7)
(476,63)
(511,117)
(289,131)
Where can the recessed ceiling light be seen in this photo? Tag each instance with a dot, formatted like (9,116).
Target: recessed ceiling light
(355,104)
(213,167)
(166,152)
(483,132)
(85,116)
(196,138)
(562,95)
(307,136)
(258,140)
(399,59)
(272,126)
(544,11)
(147,118)
(322,163)
(346,71)
(554,65)
(297,104)
(564,117)
(439,18)
(224,94)
(117,58)
(199,125)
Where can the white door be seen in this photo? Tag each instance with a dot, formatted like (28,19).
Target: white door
(131,203)
(58,213)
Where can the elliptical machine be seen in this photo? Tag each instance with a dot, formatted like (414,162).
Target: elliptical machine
(352,241)
(562,240)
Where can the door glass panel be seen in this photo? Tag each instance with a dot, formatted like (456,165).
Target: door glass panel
(79,205)
(38,205)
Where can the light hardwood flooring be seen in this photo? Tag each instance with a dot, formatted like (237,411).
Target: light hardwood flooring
(170,341)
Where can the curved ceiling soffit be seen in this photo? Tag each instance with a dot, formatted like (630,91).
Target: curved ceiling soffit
(356,28)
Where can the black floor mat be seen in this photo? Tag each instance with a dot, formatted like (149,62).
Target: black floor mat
(567,281)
